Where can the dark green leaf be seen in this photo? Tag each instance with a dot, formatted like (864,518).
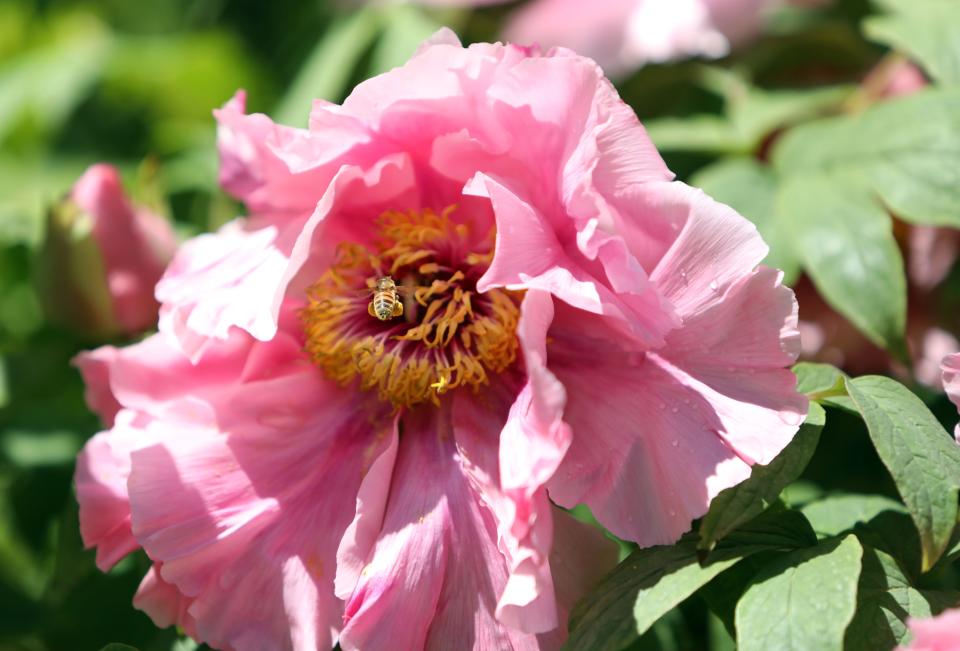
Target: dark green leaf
(885,601)
(922,458)
(116,646)
(652,581)
(803,601)
(738,504)
(846,243)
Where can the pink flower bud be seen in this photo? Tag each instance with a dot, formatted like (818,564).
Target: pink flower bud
(102,258)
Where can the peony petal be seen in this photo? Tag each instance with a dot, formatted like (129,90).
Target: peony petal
(360,537)
(714,247)
(528,255)
(734,352)
(433,576)
(233,515)
(510,475)
(646,467)
(219,281)
(95,367)
(940,633)
(251,169)
(581,556)
(103,467)
(163,603)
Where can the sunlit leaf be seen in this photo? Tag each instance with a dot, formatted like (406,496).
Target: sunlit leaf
(837,514)
(803,601)
(906,150)
(845,241)
(823,383)
(927,30)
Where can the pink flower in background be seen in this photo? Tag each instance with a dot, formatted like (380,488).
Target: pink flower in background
(104,256)
(940,633)
(951,382)
(622,35)
(576,327)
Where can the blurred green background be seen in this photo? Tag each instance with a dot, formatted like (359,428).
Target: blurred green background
(134,83)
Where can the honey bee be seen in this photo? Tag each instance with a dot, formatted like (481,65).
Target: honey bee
(386,303)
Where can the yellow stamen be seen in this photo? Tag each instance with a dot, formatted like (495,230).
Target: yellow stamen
(450,337)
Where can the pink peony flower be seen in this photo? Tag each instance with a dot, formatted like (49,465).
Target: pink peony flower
(940,633)
(625,34)
(576,328)
(112,290)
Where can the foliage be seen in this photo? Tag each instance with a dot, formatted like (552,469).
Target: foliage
(833,545)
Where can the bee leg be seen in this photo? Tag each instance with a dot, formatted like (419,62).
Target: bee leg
(370,310)
(397,309)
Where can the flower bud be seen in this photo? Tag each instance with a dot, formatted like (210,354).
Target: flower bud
(102,258)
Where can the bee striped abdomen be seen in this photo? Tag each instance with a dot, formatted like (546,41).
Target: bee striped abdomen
(386,303)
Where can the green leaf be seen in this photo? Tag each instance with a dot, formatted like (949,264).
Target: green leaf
(906,150)
(750,114)
(823,383)
(846,242)
(405,28)
(327,71)
(837,514)
(814,379)
(43,86)
(885,600)
(922,458)
(878,521)
(27,449)
(654,580)
(750,188)
(116,646)
(927,30)
(707,133)
(176,79)
(187,644)
(803,601)
(756,112)
(738,504)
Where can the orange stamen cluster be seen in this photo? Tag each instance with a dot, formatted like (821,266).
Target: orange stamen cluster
(449,336)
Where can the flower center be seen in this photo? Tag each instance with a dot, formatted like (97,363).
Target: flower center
(404,317)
